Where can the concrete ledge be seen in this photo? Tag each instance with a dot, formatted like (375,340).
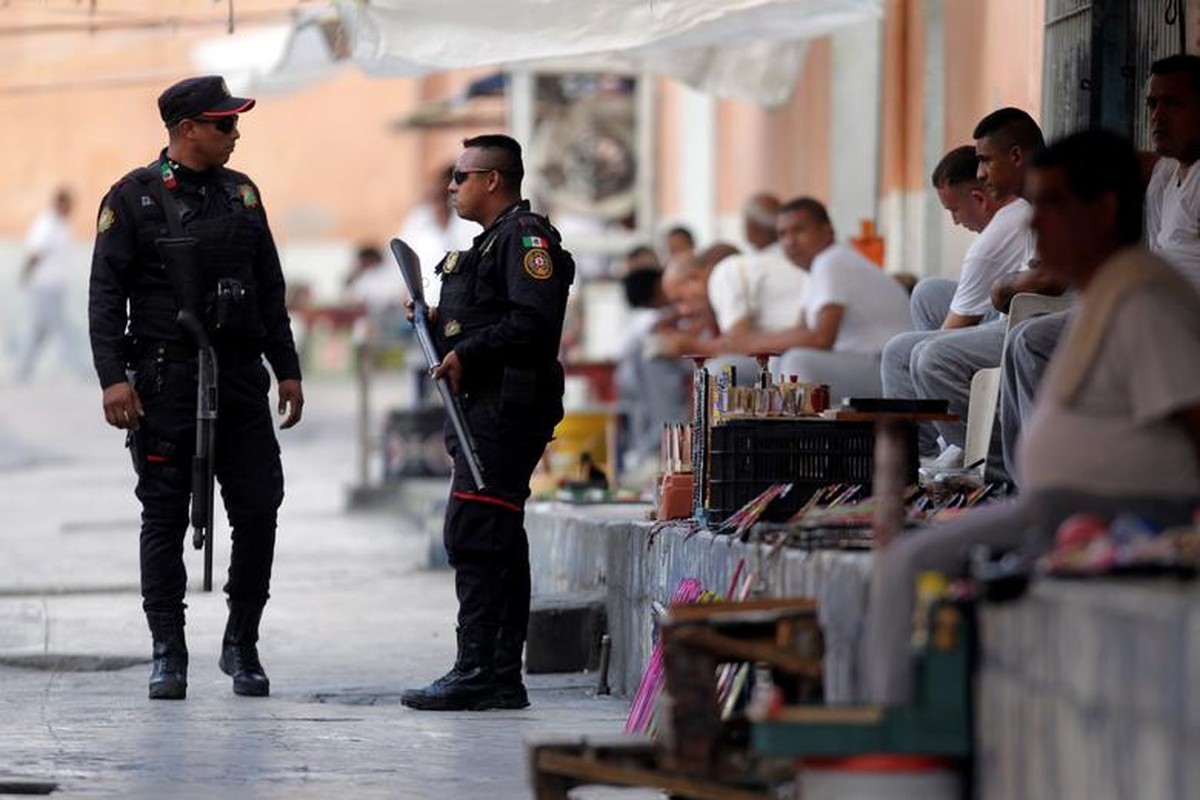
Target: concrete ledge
(564,632)
(1088,689)
(575,548)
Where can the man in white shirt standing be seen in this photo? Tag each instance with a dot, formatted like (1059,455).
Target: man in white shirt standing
(852,308)
(760,290)
(44,278)
(1004,245)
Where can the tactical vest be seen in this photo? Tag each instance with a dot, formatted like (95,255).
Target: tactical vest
(228,239)
(474,291)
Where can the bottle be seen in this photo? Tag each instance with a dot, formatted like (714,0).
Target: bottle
(868,242)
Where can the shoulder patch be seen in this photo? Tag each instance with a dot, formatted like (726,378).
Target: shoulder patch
(534,241)
(538,264)
(248,195)
(106,219)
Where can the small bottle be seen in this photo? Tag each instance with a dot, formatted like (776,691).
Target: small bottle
(765,697)
(820,398)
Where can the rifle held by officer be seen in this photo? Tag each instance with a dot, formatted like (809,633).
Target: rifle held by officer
(410,270)
(206,442)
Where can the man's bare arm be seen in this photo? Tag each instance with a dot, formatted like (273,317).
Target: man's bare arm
(1038,281)
(954,321)
(821,337)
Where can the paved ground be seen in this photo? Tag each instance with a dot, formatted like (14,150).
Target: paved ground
(354,619)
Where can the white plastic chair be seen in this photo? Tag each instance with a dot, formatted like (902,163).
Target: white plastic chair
(985,384)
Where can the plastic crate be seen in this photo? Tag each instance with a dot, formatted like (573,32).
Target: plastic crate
(748,456)
(413,444)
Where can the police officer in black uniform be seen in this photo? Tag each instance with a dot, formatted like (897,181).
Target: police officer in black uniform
(148,368)
(500,324)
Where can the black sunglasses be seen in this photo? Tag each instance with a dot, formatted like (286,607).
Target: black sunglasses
(460,175)
(223,124)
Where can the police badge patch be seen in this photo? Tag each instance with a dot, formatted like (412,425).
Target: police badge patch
(248,195)
(450,262)
(538,264)
(106,220)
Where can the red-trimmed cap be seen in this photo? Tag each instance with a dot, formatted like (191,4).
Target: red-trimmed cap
(200,97)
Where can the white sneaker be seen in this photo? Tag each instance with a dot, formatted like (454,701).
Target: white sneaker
(950,458)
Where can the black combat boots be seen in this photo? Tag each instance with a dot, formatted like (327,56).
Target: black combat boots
(470,685)
(239,651)
(510,690)
(168,676)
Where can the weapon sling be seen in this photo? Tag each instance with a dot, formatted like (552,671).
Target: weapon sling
(175,251)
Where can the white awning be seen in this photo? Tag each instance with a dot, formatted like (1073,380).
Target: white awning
(752,49)
(272,59)
(734,48)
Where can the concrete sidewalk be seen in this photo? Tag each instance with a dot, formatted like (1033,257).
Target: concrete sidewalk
(354,619)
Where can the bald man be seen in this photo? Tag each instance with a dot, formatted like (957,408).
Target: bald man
(759,291)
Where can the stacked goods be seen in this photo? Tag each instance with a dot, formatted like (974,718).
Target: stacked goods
(1087,545)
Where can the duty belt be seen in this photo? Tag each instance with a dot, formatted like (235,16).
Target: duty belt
(174,350)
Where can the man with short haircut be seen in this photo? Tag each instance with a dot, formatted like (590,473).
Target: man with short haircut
(1173,196)
(760,290)
(231,280)
(1005,140)
(1172,231)
(650,385)
(1004,246)
(1116,427)
(851,308)
(499,329)
(680,242)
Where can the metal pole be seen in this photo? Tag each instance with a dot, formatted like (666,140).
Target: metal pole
(364,409)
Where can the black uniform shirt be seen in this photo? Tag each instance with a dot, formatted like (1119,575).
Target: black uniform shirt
(127,271)
(512,312)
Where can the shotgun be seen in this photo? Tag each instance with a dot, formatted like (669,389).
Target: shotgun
(206,441)
(410,270)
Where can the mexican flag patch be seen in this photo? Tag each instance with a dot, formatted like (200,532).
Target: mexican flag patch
(534,241)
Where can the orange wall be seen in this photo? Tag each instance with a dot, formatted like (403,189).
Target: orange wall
(903,103)
(326,158)
(330,166)
(784,151)
(993,59)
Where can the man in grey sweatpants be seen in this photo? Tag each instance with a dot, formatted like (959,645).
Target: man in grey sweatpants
(1109,434)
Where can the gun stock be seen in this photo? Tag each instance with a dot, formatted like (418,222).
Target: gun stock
(410,271)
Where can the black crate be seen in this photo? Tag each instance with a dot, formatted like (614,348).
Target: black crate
(747,456)
(413,444)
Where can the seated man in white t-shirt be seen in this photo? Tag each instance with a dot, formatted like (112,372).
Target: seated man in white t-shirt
(651,388)
(1004,245)
(1116,425)
(944,365)
(760,290)
(851,308)
(1172,213)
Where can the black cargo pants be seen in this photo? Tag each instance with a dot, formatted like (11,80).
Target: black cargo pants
(248,470)
(484,533)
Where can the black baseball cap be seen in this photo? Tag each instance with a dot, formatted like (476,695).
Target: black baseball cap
(200,97)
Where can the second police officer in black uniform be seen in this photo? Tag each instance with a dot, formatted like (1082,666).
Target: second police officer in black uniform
(499,327)
(233,281)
